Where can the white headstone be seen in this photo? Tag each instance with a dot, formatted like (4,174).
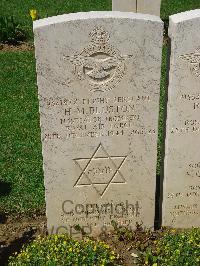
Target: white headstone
(98,80)
(181,202)
(124,5)
(149,7)
(139,6)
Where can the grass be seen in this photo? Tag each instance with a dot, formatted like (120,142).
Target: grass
(20,8)
(21,176)
(170,7)
(162,110)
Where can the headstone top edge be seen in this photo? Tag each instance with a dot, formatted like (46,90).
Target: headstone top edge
(94,15)
(188,15)
(176,19)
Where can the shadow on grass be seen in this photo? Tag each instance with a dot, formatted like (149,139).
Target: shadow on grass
(3,218)
(15,246)
(5,188)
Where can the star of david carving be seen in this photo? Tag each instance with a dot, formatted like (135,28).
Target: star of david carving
(100,171)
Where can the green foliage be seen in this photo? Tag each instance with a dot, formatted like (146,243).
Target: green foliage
(62,250)
(175,249)
(11,31)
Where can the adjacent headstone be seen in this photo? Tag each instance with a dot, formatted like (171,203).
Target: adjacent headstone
(124,5)
(98,77)
(139,6)
(149,7)
(181,203)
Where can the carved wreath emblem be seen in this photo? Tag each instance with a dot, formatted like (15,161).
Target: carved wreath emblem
(100,64)
(194,61)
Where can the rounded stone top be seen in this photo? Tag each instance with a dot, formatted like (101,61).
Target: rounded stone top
(94,15)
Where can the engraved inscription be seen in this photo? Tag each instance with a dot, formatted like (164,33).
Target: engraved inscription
(97,117)
(194,61)
(191,125)
(100,64)
(194,99)
(194,170)
(192,192)
(100,171)
(185,209)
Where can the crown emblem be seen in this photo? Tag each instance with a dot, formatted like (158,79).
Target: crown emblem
(99,35)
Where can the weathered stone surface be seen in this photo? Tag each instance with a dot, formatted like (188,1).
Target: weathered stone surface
(181,205)
(125,5)
(98,79)
(139,6)
(149,7)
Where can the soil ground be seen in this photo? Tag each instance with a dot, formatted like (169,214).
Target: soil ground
(19,47)
(16,231)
